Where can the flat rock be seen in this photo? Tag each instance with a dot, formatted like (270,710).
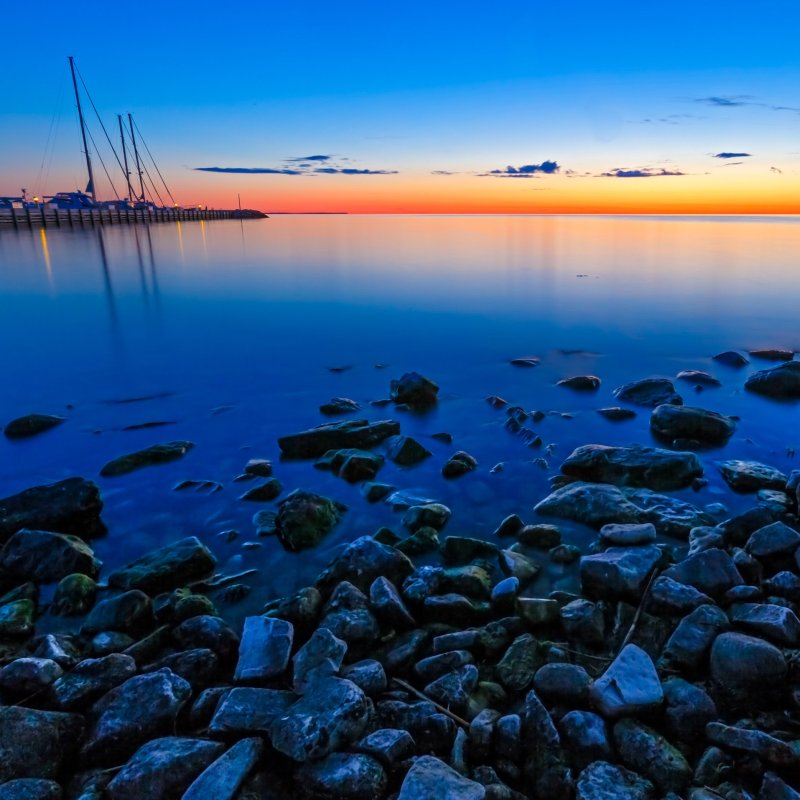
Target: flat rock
(671,423)
(304,518)
(773,751)
(649,392)
(751,476)
(358,433)
(773,354)
(432,779)
(264,649)
(222,779)
(246,710)
(616,413)
(781,382)
(637,466)
(265,492)
(775,623)
(167,568)
(43,557)
(148,457)
(629,686)
(620,572)
(31,425)
(604,781)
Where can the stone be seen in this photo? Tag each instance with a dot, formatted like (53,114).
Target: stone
(331,715)
(563,684)
(17,618)
(432,667)
(750,476)
(246,710)
(429,515)
(304,518)
(731,359)
(356,776)
(637,466)
(57,648)
(375,492)
(388,606)
(543,537)
(390,746)
(649,392)
(431,779)
(36,744)
(629,686)
(650,754)
(347,616)
(581,383)
(148,457)
(773,622)
(710,571)
(620,572)
(627,534)
(406,451)
(773,788)
(781,382)
(525,361)
(773,354)
(698,377)
(258,467)
(688,709)
(90,679)
(337,436)
(773,751)
(363,561)
(162,768)
(75,595)
(414,390)
(320,657)
(130,612)
(31,425)
(585,738)
(222,779)
(28,675)
(208,631)
(504,593)
(462,549)
(43,556)
(690,643)
(686,423)
(459,464)
(583,621)
(537,611)
(264,649)
(745,667)
(70,506)
(140,709)
(544,762)
(265,492)
(519,663)
(423,540)
(604,781)
(167,568)
(453,690)
(368,675)
(671,598)
(30,789)
(339,405)
(616,413)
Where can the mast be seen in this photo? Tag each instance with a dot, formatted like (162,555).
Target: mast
(136,155)
(90,185)
(125,156)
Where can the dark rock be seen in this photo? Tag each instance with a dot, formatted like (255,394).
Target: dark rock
(199,666)
(74,595)
(505,593)
(246,711)
(698,377)
(264,649)
(668,596)
(17,618)
(581,383)
(368,675)
(773,751)
(264,492)
(583,621)
(710,571)
(462,549)
(564,684)
(781,382)
(431,779)
(626,534)
(543,537)
(635,466)
(525,361)
(691,641)
(650,392)
(222,779)
(388,605)
(57,648)
(363,561)
(130,612)
(423,540)
(405,451)
(783,584)
(43,557)
(355,776)
(585,738)
(750,476)
(258,467)
(305,518)
(459,464)
(731,359)
(150,456)
(26,676)
(320,657)
(90,679)
(162,768)
(773,622)
(337,436)
(616,414)
(30,789)
(650,754)
(688,710)
(620,572)
(30,425)
(746,668)
(375,492)
(390,746)
(773,354)
(453,690)
(71,506)
(773,788)
(433,667)
(414,390)
(207,631)
(604,781)
(429,515)
(520,662)
(545,764)
(673,423)
(537,611)
(510,526)
(629,686)
(339,405)
(347,616)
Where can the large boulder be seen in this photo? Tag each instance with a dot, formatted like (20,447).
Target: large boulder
(781,382)
(358,433)
(637,466)
(750,476)
(43,557)
(304,518)
(680,423)
(149,457)
(649,392)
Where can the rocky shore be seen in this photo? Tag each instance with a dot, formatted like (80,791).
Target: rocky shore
(421,665)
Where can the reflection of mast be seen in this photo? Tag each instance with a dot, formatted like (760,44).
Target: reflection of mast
(90,185)
(153,275)
(142,275)
(112,305)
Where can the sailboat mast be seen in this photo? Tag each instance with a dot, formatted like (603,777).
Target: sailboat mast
(136,155)
(125,157)
(90,187)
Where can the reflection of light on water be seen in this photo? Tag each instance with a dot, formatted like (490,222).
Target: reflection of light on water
(46,254)
(203,234)
(180,241)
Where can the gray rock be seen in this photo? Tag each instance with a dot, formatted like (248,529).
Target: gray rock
(625,535)
(43,556)
(710,571)
(25,676)
(669,597)
(162,768)
(347,616)
(604,781)
(687,423)
(565,684)
(320,657)
(414,390)
(148,457)
(773,751)
(649,392)
(368,675)
(650,754)
(222,779)
(90,679)
(365,560)
(406,451)
(339,405)
(750,476)
(356,776)
(637,466)
(430,668)
(689,645)
(131,612)
(246,711)
(747,668)
(30,789)
(629,686)
(453,690)
(773,622)
(781,382)
(585,738)
(619,573)
(304,518)
(431,779)
(264,649)
(390,746)
(337,436)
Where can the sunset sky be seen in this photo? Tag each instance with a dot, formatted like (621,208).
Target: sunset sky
(442,107)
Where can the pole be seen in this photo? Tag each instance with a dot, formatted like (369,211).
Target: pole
(136,155)
(125,157)
(83,131)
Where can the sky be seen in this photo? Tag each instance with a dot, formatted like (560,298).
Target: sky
(419,107)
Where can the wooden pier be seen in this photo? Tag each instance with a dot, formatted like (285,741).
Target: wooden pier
(42,217)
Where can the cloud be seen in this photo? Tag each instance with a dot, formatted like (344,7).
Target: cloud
(670,119)
(310,158)
(726,101)
(525,171)
(443,172)
(732,155)
(353,171)
(307,165)
(732,164)
(645,172)
(250,170)
(776,170)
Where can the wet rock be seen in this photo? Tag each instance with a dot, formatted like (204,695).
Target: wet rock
(689,645)
(131,612)
(525,361)
(31,425)
(200,666)
(505,593)
(30,789)
(429,515)
(264,492)
(773,622)
(387,604)
(688,710)
(150,456)
(57,648)
(698,377)
(74,595)
(71,506)
(731,359)
(543,537)
(163,768)
(363,561)
(329,716)
(585,738)
(710,571)
(423,540)
(36,744)
(43,557)
(629,686)
(619,572)
(650,754)
(133,713)
(650,392)
(304,518)
(544,760)
(581,383)
(167,568)
(246,711)
(347,616)
(406,451)
(433,667)
(537,611)
(510,526)
(258,467)
(264,649)
(222,779)
(636,466)
(624,535)
(339,405)
(616,413)
(17,618)
(462,549)
(320,657)
(431,779)
(317,441)
(781,382)
(453,690)
(687,423)
(773,788)
(459,464)
(375,492)
(414,390)
(747,668)
(773,354)
(356,776)
(750,476)
(25,676)
(90,679)
(669,597)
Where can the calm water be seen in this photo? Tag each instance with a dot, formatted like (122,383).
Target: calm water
(238,322)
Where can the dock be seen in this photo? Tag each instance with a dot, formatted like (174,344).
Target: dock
(17,218)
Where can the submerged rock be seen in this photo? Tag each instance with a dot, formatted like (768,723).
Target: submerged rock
(264,492)
(650,392)
(672,422)
(351,464)
(731,359)
(459,464)
(406,451)
(75,594)
(339,405)
(43,556)
(581,383)
(358,433)
(698,376)
(304,518)
(150,456)
(773,354)
(781,382)
(616,413)
(414,390)
(30,425)
(130,612)
(750,476)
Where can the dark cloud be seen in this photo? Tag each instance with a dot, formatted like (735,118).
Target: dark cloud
(525,171)
(776,170)
(353,171)
(732,164)
(310,158)
(646,172)
(725,101)
(732,155)
(250,170)
(308,165)
(443,172)
(670,119)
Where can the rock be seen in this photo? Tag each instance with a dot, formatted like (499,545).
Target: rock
(320,657)
(30,425)
(17,618)
(669,597)
(71,506)
(210,632)
(505,593)
(629,686)
(264,492)
(90,679)
(583,621)
(650,754)
(773,751)
(167,568)
(36,744)
(517,667)
(691,641)
(625,535)
(750,476)
(26,676)
(773,788)
(414,390)
(317,441)
(347,616)
(430,515)
(339,405)
(673,423)
(459,464)
(650,392)
(247,711)
(519,566)
(355,776)
(222,779)
(57,648)
(258,467)
(688,710)
(747,668)
(635,466)
(731,359)
(563,684)
(390,746)
(150,456)
(43,557)
(368,675)
(616,414)
(620,572)
(264,649)
(140,709)
(387,604)
(30,789)
(581,383)
(74,595)
(604,781)
(781,382)
(543,537)
(331,715)
(585,738)
(544,763)
(363,561)
(525,361)
(773,354)
(162,768)
(131,612)
(710,571)
(405,451)
(773,622)
(431,779)
(453,690)
(433,667)
(537,611)
(698,377)
(510,526)
(304,518)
